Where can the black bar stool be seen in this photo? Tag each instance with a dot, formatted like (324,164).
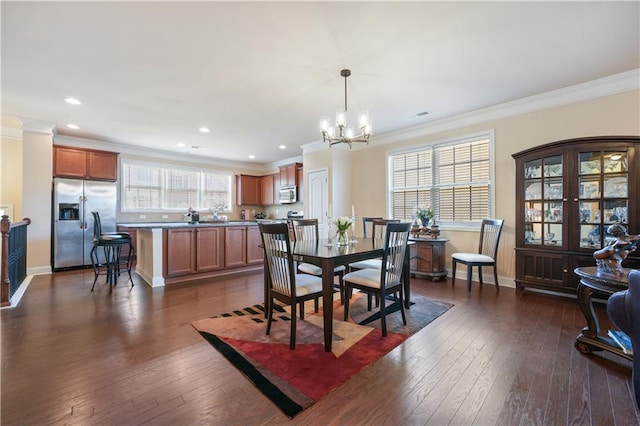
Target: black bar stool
(111,243)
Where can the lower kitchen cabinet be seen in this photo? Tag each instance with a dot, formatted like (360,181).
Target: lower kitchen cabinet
(180,251)
(209,249)
(235,248)
(255,252)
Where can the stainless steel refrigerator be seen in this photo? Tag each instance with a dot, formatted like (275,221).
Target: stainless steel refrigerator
(73,202)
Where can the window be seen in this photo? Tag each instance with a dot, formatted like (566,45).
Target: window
(153,187)
(454,178)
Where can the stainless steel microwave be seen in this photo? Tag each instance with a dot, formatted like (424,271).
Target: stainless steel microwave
(288,195)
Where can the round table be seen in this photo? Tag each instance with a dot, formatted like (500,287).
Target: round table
(603,285)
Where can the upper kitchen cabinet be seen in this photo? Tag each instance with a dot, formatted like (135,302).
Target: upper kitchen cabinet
(248,190)
(289,174)
(567,194)
(269,187)
(80,163)
(300,173)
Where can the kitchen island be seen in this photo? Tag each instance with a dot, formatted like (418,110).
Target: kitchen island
(171,252)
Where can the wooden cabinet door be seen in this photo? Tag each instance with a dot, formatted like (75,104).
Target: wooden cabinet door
(235,247)
(69,162)
(209,249)
(247,190)
(102,165)
(300,183)
(266,187)
(254,249)
(179,251)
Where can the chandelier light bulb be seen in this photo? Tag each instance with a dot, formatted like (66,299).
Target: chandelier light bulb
(363,120)
(325,123)
(349,133)
(341,117)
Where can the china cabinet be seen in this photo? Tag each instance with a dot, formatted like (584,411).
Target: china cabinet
(567,195)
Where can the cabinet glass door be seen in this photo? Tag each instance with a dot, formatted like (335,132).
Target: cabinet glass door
(602,195)
(543,198)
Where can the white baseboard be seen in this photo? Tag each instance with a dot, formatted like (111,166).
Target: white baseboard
(17,296)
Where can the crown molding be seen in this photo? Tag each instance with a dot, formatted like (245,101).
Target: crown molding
(11,132)
(37,126)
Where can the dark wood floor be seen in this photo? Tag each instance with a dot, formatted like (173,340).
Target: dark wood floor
(70,356)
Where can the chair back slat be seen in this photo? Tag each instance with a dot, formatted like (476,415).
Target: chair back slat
(97,225)
(367,225)
(395,246)
(277,252)
(490,232)
(305,229)
(379,228)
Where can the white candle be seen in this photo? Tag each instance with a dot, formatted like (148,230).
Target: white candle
(353,211)
(329,211)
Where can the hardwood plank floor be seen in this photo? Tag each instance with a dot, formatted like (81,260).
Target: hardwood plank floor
(70,356)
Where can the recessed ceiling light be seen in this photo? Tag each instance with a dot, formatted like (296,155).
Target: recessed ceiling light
(252,157)
(181,144)
(204,129)
(72,101)
(282,147)
(73,126)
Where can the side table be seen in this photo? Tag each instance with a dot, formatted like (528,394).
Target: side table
(428,257)
(603,285)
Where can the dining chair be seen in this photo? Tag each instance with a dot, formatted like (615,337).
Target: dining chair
(490,231)
(378,230)
(285,284)
(367,224)
(307,230)
(387,280)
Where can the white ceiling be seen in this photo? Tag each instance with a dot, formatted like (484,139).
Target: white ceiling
(261,74)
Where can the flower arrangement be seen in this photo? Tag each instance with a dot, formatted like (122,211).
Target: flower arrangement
(425,215)
(343,223)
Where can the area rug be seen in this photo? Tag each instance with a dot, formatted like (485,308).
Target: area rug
(295,379)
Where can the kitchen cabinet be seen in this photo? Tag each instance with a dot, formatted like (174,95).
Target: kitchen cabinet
(269,187)
(84,163)
(180,251)
(300,183)
(209,249)
(289,174)
(242,246)
(248,190)
(567,194)
(427,257)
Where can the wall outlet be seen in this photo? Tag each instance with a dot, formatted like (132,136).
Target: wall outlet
(143,216)
(165,216)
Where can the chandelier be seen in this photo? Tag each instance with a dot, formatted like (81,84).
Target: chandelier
(345,133)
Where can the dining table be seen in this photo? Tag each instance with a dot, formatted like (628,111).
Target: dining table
(328,254)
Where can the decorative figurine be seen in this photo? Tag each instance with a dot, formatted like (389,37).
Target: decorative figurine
(609,259)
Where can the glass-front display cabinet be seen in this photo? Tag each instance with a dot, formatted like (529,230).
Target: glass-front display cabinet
(567,194)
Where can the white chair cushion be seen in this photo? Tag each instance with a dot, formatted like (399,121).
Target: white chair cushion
(307,284)
(472,257)
(309,268)
(367,264)
(366,277)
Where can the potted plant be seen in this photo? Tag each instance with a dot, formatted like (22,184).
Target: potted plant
(425,215)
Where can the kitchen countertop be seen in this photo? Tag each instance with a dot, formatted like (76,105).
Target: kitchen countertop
(202,224)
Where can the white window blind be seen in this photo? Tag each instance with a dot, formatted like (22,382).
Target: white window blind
(452,178)
(150,186)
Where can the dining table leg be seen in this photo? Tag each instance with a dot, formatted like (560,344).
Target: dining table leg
(327,301)
(406,279)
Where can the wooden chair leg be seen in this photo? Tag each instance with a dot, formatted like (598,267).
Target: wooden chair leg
(316,304)
(347,297)
(480,274)
(292,339)
(404,317)
(495,276)
(453,272)
(269,315)
(341,284)
(383,319)
(469,272)
(301,310)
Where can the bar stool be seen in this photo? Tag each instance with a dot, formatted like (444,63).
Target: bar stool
(111,243)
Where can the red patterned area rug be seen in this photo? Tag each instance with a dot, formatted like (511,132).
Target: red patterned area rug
(295,379)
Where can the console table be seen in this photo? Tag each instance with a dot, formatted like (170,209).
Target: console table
(428,257)
(604,285)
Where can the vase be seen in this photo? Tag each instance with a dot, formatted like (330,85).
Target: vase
(343,239)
